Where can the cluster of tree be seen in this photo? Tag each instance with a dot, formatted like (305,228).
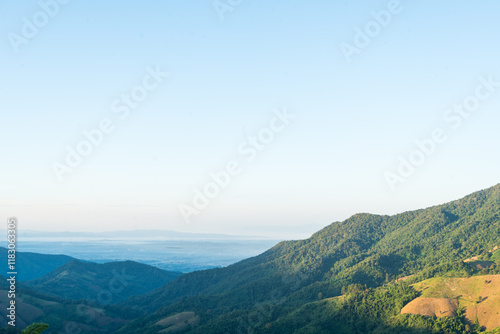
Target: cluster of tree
(359,310)
(35,328)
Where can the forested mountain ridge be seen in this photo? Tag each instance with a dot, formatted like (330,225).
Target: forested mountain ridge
(34,265)
(106,283)
(364,249)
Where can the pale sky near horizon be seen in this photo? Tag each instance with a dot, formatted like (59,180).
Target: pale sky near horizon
(226,79)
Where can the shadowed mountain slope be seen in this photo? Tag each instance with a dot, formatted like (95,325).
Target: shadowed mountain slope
(106,283)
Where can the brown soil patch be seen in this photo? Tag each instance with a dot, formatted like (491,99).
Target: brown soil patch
(404,278)
(432,307)
(479,296)
(179,322)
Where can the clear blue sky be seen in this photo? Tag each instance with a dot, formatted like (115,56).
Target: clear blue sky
(353,119)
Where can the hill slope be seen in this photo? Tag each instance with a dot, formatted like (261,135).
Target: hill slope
(479,296)
(104,283)
(33,265)
(63,316)
(366,249)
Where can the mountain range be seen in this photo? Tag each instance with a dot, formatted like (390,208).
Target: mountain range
(354,276)
(368,250)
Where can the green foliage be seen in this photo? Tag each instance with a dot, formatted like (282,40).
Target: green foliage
(35,328)
(362,311)
(495,256)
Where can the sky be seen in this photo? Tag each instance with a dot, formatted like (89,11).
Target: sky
(270,118)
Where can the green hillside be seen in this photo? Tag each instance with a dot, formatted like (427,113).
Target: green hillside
(33,265)
(63,316)
(107,283)
(365,249)
(495,256)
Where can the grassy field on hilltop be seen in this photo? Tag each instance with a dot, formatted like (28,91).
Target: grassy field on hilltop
(478,296)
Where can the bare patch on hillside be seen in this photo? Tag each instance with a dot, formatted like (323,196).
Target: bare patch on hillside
(481,264)
(178,322)
(432,307)
(479,296)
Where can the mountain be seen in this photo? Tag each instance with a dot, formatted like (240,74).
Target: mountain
(368,250)
(33,265)
(64,316)
(106,283)
(133,235)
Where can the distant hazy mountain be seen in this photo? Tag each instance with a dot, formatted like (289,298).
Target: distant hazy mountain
(107,283)
(134,235)
(33,265)
(260,293)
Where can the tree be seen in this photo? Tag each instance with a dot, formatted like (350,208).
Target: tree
(35,328)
